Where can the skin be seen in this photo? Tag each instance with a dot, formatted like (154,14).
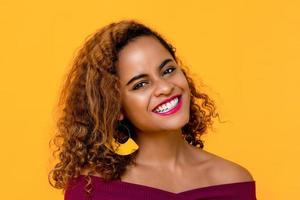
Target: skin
(165,161)
(159,137)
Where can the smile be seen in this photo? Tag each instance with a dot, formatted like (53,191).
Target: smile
(170,107)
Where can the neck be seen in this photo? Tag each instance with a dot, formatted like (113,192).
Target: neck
(168,149)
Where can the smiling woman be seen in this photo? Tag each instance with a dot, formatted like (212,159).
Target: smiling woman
(131,126)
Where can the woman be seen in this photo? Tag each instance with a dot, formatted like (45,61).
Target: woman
(131,123)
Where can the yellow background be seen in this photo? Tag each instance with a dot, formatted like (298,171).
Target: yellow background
(246,52)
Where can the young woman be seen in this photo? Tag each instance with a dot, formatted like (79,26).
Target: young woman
(131,123)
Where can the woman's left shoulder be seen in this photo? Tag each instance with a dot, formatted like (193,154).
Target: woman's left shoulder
(226,171)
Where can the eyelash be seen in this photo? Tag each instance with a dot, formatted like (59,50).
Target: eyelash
(136,88)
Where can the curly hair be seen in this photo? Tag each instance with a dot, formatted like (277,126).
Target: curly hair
(89,106)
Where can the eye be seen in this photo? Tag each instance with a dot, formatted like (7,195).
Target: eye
(138,85)
(170,70)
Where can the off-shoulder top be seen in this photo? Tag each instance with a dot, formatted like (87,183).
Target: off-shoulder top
(120,190)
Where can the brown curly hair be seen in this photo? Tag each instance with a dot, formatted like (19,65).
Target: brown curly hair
(89,106)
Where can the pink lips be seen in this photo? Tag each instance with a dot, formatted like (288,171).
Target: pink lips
(174,110)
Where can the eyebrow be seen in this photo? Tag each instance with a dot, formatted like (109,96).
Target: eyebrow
(145,75)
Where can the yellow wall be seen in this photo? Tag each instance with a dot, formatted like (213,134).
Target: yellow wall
(246,52)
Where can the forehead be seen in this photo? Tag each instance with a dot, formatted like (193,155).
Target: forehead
(141,55)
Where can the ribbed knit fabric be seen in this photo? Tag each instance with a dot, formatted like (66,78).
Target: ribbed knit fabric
(119,190)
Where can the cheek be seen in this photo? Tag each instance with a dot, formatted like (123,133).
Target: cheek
(185,85)
(135,104)
(182,81)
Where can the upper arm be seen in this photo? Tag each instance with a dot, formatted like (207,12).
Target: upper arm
(238,173)
(229,172)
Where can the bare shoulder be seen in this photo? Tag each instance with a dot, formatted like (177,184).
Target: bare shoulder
(225,171)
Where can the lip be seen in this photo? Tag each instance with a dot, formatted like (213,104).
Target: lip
(174,110)
(166,100)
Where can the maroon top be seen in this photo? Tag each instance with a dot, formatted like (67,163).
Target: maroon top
(119,190)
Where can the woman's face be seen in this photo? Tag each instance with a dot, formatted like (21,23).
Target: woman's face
(149,76)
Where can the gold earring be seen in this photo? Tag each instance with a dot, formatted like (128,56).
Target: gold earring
(123,148)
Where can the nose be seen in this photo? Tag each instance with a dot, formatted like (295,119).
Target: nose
(163,87)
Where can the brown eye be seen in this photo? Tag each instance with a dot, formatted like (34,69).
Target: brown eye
(138,85)
(170,70)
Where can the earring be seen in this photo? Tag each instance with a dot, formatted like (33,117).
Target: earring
(125,148)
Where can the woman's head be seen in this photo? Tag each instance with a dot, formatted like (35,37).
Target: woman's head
(97,94)
(149,75)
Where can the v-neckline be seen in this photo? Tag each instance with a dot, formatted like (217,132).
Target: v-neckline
(210,187)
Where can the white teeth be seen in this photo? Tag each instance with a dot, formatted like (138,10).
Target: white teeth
(167,106)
